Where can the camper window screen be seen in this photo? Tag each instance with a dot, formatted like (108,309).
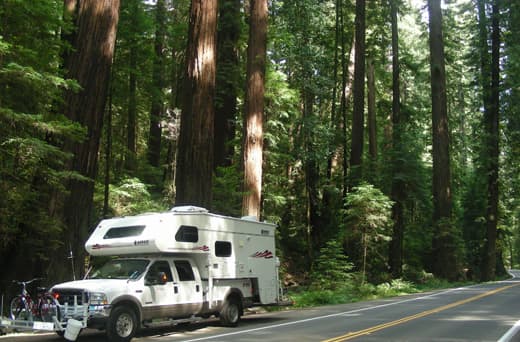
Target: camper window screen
(187,234)
(119,232)
(222,248)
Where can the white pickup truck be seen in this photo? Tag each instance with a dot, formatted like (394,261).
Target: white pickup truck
(127,293)
(163,268)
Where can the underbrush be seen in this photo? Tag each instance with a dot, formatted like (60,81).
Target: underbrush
(350,292)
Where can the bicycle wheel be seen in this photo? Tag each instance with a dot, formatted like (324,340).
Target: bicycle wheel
(47,308)
(18,309)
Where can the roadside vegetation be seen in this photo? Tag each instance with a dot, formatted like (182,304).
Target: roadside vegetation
(350,292)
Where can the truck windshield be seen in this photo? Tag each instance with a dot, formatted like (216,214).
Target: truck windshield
(121,269)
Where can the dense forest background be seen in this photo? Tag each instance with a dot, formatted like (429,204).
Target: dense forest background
(379,134)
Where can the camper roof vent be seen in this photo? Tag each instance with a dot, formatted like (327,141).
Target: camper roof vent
(189,209)
(250,218)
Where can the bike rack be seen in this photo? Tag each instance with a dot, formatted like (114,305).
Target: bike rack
(78,312)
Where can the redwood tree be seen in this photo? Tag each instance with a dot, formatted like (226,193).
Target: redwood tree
(89,64)
(491,84)
(398,190)
(195,153)
(254,109)
(444,263)
(158,83)
(358,118)
(227,79)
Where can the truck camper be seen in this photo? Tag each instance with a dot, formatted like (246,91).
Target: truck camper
(164,268)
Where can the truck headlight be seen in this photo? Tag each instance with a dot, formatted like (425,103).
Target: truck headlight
(98,298)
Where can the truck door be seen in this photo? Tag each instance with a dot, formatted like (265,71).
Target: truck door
(189,287)
(160,297)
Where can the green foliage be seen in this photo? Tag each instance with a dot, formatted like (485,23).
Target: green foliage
(331,268)
(368,209)
(356,291)
(129,197)
(367,219)
(227,199)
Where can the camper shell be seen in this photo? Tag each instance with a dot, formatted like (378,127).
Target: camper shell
(222,247)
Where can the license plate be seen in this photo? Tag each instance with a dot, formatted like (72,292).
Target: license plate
(5,322)
(43,326)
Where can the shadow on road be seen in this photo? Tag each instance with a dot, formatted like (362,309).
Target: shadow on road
(176,332)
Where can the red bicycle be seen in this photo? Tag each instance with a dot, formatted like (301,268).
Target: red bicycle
(23,307)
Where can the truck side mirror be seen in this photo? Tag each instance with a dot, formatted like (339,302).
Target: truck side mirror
(162,278)
(159,278)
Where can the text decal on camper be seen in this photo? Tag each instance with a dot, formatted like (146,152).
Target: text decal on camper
(265,254)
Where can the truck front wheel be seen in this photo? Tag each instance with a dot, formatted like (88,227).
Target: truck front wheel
(231,312)
(122,324)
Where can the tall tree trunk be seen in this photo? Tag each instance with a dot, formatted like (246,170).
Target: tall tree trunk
(131,126)
(254,109)
(491,124)
(70,16)
(195,156)
(334,122)
(346,95)
(314,223)
(371,112)
(443,240)
(228,75)
(158,84)
(358,117)
(398,191)
(90,65)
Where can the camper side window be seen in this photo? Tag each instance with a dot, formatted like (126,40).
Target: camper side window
(184,270)
(187,234)
(222,248)
(119,232)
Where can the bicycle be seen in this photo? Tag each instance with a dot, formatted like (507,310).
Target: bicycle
(23,307)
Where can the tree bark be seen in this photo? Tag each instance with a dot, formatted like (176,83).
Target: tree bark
(228,75)
(195,155)
(90,65)
(443,243)
(131,125)
(491,124)
(371,112)
(254,109)
(356,150)
(158,84)
(398,186)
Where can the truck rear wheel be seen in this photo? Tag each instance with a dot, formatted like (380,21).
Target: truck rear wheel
(122,324)
(231,312)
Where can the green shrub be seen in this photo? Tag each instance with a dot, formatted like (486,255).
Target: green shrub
(331,270)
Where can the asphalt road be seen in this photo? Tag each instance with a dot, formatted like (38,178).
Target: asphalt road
(485,312)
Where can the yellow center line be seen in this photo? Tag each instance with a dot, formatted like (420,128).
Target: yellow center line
(354,334)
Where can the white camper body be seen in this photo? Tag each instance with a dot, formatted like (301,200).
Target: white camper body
(222,247)
(182,265)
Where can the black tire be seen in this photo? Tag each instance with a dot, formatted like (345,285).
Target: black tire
(231,312)
(122,324)
(17,309)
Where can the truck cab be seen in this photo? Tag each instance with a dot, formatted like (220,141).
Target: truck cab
(132,292)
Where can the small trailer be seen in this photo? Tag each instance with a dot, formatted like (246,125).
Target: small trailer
(183,265)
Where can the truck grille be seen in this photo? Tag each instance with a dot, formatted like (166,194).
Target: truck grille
(66,296)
